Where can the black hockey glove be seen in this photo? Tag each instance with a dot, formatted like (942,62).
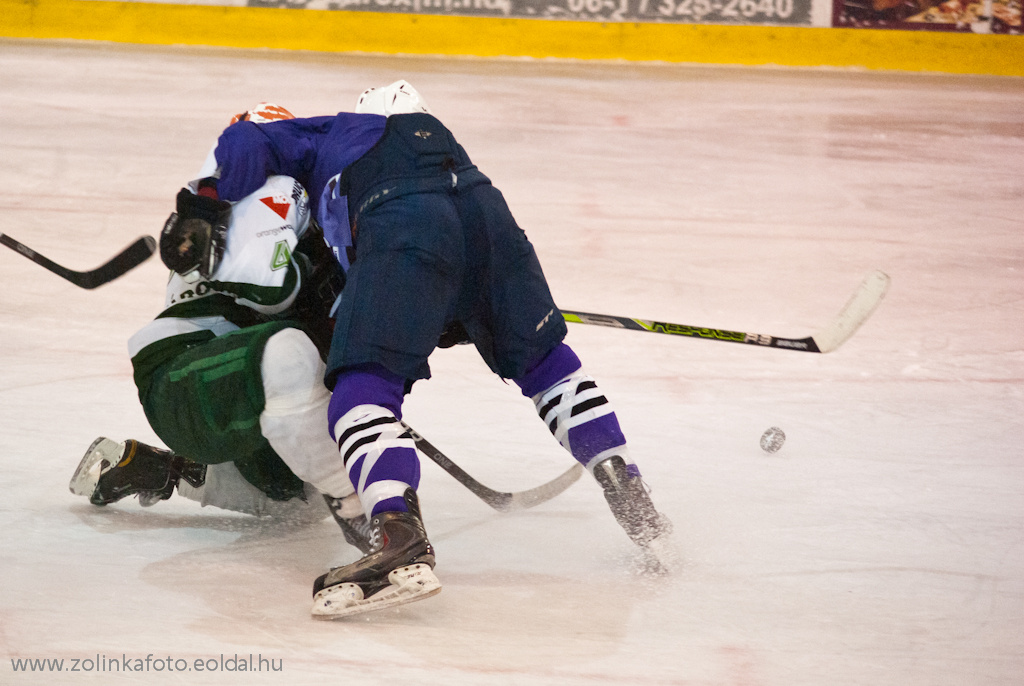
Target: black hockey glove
(194,237)
(322,281)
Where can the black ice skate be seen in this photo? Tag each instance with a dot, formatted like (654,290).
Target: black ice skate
(398,570)
(630,503)
(355,529)
(111,471)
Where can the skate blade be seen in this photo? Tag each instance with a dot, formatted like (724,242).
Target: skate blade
(408,584)
(101,456)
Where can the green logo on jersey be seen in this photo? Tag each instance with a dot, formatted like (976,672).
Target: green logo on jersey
(282,256)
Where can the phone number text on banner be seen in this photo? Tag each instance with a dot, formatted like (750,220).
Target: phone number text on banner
(793,12)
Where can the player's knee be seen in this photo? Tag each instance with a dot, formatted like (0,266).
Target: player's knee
(369,384)
(291,367)
(557,365)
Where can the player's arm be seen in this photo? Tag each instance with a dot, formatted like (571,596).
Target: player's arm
(248,154)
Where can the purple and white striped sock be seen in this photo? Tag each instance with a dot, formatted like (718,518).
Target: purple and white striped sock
(575,410)
(379,456)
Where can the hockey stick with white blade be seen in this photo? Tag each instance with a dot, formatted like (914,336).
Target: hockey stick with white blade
(126,260)
(499,500)
(857,310)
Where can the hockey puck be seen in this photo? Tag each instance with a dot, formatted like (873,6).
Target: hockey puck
(772,440)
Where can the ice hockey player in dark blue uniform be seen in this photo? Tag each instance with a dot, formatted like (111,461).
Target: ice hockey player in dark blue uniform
(432,255)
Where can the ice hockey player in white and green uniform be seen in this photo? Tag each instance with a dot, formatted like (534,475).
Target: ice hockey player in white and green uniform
(230,374)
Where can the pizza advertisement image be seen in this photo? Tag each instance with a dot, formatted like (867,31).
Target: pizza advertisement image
(966,16)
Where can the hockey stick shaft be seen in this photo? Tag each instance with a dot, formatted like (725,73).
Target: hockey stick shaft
(126,260)
(860,306)
(499,500)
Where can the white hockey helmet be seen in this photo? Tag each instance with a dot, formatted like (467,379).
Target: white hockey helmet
(398,98)
(263,113)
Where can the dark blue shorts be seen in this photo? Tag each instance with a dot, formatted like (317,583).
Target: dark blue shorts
(441,254)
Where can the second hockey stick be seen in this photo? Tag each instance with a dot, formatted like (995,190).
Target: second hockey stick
(499,500)
(126,260)
(857,310)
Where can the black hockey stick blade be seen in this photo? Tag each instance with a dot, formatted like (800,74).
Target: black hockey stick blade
(857,310)
(126,260)
(499,500)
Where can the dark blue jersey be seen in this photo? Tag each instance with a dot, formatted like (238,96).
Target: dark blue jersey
(314,151)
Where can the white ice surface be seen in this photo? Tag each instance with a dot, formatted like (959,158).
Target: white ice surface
(883,545)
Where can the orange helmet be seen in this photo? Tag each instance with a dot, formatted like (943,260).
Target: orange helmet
(263,113)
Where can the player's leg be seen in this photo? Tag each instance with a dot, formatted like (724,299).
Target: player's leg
(391,315)
(111,471)
(580,417)
(382,463)
(205,404)
(227,489)
(574,409)
(208,404)
(292,422)
(523,337)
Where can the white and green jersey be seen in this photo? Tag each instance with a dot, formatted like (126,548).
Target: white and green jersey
(256,279)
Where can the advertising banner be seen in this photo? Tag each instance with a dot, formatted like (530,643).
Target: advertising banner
(787,12)
(977,16)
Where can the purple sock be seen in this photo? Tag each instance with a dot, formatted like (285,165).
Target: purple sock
(559,363)
(369,384)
